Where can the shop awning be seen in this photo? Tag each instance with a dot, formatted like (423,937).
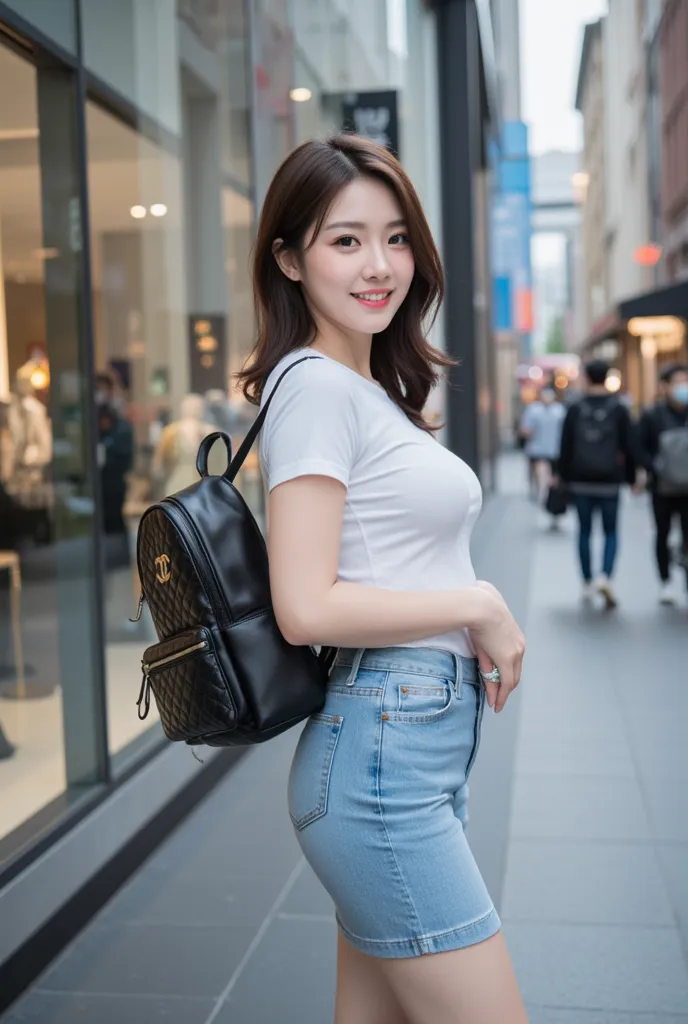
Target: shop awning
(670,301)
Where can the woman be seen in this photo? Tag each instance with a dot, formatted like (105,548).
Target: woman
(369,521)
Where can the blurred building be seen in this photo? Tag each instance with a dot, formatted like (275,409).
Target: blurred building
(556,224)
(636,206)
(136,144)
(590,102)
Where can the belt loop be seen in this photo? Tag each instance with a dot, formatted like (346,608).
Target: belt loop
(457,675)
(355,667)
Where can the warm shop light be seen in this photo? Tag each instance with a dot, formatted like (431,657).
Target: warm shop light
(40,378)
(138,212)
(158,209)
(613,381)
(641,326)
(300,95)
(561,382)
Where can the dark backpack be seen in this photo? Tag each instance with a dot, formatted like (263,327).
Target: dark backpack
(222,673)
(596,456)
(671,464)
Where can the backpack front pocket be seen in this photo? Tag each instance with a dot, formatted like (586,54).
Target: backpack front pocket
(189,686)
(309,778)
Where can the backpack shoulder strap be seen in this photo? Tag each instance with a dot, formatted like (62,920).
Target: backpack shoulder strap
(246,445)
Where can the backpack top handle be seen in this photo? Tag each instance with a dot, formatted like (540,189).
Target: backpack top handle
(235,464)
(204,450)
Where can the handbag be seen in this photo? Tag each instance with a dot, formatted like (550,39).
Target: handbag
(221,673)
(557,500)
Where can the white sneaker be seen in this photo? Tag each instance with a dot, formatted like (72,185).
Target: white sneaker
(667,595)
(588,591)
(604,587)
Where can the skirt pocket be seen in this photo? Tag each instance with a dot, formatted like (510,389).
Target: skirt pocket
(309,778)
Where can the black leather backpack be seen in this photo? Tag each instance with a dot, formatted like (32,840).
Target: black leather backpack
(222,673)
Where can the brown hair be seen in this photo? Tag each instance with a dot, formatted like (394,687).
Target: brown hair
(299,198)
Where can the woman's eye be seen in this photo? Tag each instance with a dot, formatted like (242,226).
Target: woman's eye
(399,239)
(346,242)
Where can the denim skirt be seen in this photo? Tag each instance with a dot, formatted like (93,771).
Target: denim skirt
(378,798)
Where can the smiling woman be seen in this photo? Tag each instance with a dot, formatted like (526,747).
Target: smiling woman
(339,239)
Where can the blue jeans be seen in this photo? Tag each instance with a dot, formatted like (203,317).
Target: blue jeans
(586,504)
(378,798)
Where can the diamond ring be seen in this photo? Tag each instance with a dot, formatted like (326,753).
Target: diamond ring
(491,677)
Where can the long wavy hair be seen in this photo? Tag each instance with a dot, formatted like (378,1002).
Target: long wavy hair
(298,200)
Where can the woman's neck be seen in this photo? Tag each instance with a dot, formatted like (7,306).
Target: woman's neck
(352,352)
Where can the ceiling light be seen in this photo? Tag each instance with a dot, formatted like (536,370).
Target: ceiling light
(138,212)
(300,94)
(158,209)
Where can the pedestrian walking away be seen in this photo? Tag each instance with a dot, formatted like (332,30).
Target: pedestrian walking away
(541,425)
(663,444)
(598,455)
(368,525)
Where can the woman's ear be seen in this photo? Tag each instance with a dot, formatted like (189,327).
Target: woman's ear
(287,260)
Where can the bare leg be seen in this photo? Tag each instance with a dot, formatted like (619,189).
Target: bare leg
(363,993)
(475,985)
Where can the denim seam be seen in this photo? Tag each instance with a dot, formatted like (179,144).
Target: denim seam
(321,806)
(386,666)
(409,898)
(417,939)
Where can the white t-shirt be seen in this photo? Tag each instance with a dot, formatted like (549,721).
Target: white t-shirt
(410,503)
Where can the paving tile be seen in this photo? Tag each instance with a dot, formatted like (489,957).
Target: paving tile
(307,896)
(291,977)
(573,754)
(674,863)
(599,967)
(585,884)
(550,1015)
(232,890)
(667,803)
(54,1008)
(143,959)
(568,807)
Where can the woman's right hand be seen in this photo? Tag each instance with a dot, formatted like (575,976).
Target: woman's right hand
(499,643)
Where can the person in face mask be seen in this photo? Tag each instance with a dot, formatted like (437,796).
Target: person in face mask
(663,437)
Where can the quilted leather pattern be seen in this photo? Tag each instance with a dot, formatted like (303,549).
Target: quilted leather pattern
(180,603)
(192,697)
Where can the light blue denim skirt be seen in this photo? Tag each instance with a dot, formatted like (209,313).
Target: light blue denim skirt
(378,797)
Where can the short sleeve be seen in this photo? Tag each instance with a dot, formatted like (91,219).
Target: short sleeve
(311,426)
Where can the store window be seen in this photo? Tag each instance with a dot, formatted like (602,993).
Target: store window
(50,714)
(172,217)
(55,18)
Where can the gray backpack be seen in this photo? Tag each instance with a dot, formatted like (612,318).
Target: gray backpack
(671,466)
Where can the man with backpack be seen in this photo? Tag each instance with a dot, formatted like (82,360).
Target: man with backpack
(598,455)
(663,437)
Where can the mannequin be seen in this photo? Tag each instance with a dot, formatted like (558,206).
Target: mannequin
(174,462)
(29,445)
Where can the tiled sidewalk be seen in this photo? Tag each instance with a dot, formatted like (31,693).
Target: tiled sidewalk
(579,820)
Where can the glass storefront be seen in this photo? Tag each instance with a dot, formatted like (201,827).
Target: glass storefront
(189,107)
(50,718)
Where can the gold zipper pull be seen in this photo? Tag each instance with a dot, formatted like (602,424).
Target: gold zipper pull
(139,608)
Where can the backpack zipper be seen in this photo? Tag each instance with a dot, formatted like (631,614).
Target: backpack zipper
(150,666)
(188,530)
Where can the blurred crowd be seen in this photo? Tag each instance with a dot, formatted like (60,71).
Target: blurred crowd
(583,454)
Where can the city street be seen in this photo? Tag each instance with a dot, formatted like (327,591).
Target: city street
(579,820)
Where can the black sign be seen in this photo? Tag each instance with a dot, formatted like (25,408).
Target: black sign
(373,114)
(208,351)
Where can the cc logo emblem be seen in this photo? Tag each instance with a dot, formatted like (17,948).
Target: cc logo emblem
(162,569)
